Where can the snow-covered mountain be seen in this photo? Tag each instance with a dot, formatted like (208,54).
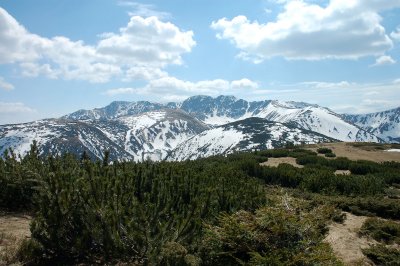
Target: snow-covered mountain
(153,134)
(244,135)
(142,130)
(149,135)
(57,136)
(114,110)
(226,109)
(385,125)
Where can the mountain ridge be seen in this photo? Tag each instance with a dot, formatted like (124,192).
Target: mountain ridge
(146,130)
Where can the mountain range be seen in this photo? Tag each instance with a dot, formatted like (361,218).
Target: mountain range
(198,127)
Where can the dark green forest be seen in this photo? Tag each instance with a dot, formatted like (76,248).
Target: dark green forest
(214,211)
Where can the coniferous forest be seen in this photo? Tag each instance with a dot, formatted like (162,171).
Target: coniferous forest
(213,211)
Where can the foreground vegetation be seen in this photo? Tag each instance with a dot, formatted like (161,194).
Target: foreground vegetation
(214,211)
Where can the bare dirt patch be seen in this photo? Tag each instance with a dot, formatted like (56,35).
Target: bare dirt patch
(356,151)
(274,162)
(14,228)
(346,242)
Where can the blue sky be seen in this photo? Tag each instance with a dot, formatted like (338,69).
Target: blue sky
(60,56)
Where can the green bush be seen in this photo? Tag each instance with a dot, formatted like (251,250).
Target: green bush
(382,255)
(285,234)
(339,216)
(130,212)
(367,206)
(363,167)
(330,155)
(18,179)
(324,150)
(382,231)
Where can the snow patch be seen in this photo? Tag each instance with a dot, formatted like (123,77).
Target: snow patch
(393,150)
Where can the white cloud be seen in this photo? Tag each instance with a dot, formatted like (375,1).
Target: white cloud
(145,44)
(118,91)
(329,85)
(173,88)
(13,108)
(244,84)
(342,30)
(147,41)
(384,60)
(144,73)
(33,70)
(16,112)
(144,10)
(396,34)
(16,43)
(5,85)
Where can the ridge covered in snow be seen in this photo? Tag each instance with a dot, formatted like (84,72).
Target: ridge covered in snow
(199,126)
(385,125)
(244,135)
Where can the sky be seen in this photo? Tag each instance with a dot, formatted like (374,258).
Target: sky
(60,56)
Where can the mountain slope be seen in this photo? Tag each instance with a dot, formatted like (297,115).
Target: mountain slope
(385,125)
(136,137)
(248,134)
(152,135)
(58,136)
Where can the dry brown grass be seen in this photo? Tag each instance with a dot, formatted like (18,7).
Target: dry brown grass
(14,229)
(274,162)
(359,151)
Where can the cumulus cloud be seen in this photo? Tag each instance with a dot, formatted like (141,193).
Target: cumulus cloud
(146,44)
(5,85)
(342,30)
(147,41)
(384,60)
(174,88)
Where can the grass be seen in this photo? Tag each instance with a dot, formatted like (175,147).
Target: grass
(9,249)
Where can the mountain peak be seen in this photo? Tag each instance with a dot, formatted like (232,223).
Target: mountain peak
(230,98)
